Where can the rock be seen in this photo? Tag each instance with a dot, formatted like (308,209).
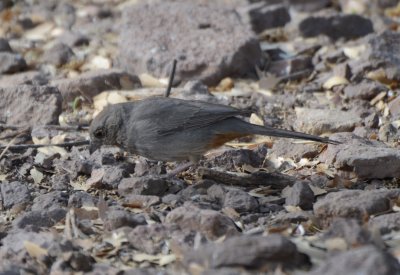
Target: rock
(385,223)
(90,84)
(357,204)
(30,105)
(293,68)
(118,218)
(39,219)
(208,222)
(231,159)
(285,219)
(5,46)
(309,5)
(150,239)
(208,39)
(366,90)
(14,194)
(73,39)
(82,199)
(50,201)
(319,121)
(141,201)
(25,78)
(249,252)
(142,186)
(384,47)
(351,231)
(340,26)
(300,194)
(285,148)
(367,160)
(58,55)
(394,107)
(236,199)
(115,173)
(264,16)
(367,260)
(14,241)
(11,63)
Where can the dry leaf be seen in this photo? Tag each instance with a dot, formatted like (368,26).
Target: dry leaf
(34,250)
(334,81)
(149,81)
(105,98)
(36,175)
(52,150)
(354,52)
(255,119)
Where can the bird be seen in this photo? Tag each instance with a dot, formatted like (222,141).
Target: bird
(171,129)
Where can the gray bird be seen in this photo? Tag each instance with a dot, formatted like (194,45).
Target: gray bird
(170,129)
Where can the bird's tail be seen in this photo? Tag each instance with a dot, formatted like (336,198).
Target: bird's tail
(269,131)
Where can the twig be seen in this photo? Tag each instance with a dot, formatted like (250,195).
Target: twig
(51,127)
(7,147)
(171,78)
(27,146)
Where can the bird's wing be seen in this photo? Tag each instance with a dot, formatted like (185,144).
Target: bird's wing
(172,115)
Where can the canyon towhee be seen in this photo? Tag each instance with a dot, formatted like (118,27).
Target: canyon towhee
(172,129)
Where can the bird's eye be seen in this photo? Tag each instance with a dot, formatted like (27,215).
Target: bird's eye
(99,133)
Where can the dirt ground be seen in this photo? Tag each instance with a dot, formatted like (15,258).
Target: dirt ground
(257,205)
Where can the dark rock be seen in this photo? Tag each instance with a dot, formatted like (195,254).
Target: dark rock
(150,40)
(319,121)
(141,201)
(367,260)
(14,194)
(39,219)
(366,160)
(264,16)
(309,5)
(231,159)
(11,63)
(351,231)
(237,199)
(30,105)
(90,84)
(58,55)
(82,199)
(143,186)
(294,68)
(208,222)
(5,46)
(366,90)
(385,223)
(151,239)
(114,174)
(119,218)
(50,201)
(300,194)
(341,26)
(355,204)
(260,252)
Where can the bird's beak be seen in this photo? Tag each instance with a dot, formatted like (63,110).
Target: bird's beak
(93,147)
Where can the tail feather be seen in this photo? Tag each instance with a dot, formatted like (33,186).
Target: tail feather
(269,131)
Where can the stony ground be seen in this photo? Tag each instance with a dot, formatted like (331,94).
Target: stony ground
(256,206)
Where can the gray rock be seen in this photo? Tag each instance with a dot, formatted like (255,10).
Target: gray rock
(367,160)
(24,78)
(208,39)
(208,222)
(39,219)
(285,148)
(384,47)
(319,121)
(366,260)
(119,218)
(58,55)
(50,201)
(300,194)
(357,204)
(366,90)
(30,105)
(385,223)
(240,200)
(11,63)
(249,251)
(150,238)
(142,186)
(90,84)
(14,193)
(341,26)
(5,46)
